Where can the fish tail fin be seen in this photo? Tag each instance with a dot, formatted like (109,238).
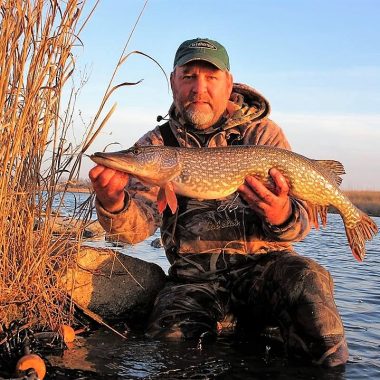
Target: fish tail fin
(316,213)
(357,235)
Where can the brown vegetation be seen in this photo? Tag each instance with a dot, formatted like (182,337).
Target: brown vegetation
(367,201)
(36,39)
(36,61)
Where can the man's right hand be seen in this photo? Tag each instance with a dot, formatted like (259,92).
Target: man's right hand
(109,187)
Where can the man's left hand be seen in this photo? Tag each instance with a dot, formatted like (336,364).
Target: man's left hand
(273,205)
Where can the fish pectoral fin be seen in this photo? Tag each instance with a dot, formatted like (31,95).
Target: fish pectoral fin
(161,200)
(171,197)
(166,197)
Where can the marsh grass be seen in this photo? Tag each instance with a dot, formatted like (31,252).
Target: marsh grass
(366,200)
(36,62)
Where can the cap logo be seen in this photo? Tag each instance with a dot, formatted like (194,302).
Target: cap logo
(202,45)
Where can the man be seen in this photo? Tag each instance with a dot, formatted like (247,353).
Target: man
(233,256)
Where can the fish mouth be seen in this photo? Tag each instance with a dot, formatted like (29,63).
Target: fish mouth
(110,160)
(101,157)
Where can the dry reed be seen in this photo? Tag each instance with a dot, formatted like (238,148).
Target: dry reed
(36,61)
(366,200)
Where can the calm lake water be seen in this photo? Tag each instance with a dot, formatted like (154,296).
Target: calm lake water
(357,295)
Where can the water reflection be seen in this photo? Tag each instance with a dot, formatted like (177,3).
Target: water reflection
(224,359)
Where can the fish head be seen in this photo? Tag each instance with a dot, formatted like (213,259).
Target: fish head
(154,165)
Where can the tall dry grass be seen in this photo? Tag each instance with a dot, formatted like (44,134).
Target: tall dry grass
(366,200)
(36,62)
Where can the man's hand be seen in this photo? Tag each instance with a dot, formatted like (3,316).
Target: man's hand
(109,187)
(273,205)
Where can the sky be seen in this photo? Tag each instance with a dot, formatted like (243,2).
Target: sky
(316,61)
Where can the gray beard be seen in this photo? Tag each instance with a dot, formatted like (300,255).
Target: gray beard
(198,119)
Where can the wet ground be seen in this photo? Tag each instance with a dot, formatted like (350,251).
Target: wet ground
(103,355)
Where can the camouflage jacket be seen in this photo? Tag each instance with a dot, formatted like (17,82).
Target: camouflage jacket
(210,226)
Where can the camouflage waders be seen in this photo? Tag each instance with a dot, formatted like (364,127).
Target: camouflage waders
(285,289)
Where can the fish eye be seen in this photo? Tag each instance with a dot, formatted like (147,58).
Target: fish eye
(135,150)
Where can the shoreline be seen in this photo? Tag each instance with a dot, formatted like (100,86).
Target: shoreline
(366,200)
(77,190)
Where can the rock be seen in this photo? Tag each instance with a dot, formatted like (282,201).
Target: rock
(93,230)
(113,285)
(157,243)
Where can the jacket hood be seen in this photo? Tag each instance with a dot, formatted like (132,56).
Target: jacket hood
(245,106)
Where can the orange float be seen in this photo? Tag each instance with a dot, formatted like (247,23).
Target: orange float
(67,333)
(31,361)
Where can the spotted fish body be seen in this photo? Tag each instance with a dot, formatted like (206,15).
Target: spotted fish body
(212,173)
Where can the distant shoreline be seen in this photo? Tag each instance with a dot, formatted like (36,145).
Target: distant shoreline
(78,190)
(366,200)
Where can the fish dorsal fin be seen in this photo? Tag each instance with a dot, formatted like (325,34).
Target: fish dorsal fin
(334,168)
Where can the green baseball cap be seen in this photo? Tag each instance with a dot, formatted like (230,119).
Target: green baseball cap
(202,49)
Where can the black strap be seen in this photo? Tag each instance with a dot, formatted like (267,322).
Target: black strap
(170,139)
(168,135)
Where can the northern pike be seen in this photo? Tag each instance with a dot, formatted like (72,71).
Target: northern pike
(213,173)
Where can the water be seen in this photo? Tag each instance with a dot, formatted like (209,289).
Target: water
(357,295)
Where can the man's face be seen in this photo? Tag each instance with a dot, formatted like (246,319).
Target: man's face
(201,92)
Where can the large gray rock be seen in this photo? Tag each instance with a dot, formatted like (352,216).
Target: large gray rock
(113,285)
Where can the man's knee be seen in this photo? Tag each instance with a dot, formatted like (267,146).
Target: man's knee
(314,304)
(310,320)
(185,311)
(307,281)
